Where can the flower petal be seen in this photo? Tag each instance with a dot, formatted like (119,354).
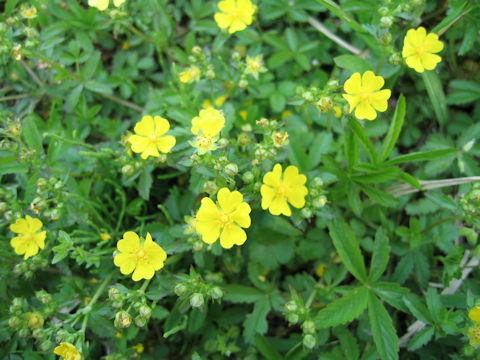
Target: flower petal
(20,226)
(229,200)
(227,6)
(237,25)
(430,61)
(242,215)
(296,196)
(166,143)
(126,262)
(33,224)
(31,250)
(145,127)
(353,85)
(232,235)
(223,20)
(117,3)
(371,82)
(291,177)
(279,206)
(19,245)
(267,196)
(379,100)
(130,243)
(150,150)
(432,44)
(415,63)
(352,100)
(143,271)
(139,143)
(365,111)
(161,125)
(272,178)
(39,239)
(208,210)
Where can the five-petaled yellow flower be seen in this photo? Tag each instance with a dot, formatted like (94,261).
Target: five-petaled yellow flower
(103,4)
(419,49)
(474,314)
(67,351)
(148,139)
(255,65)
(277,190)
(207,125)
(363,93)
(225,219)
(235,15)
(192,73)
(144,258)
(29,240)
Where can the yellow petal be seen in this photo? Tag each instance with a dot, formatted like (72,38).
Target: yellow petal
(353,85)
(296,196)
(227,6)
(161,126)
(145,127)
(130,243)
(408,50)
(229,201)
(236,25)
(166,143)
(143,271)
(242,215)
(39,239)
(117,3)
(150,150)
(208,211)
(291,177)
(33,224)
(415,63)
(430,61)
(195,125)
(365,111)
(99,4)
(432,44)
(19,245)
(353,101)
(31,249)
(139,143)
(371,82)
(232,235)
(223,20)
(379,100)
(209,230)
(267,196)
(279,206)
(20,226)
(272,178)
(245,10)
(474,314)
(126,262)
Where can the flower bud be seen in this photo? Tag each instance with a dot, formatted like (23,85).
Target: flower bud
(307,213)
(196,300)
(216,293)
(308,327)
(180,289)
(210,187)
(292,318)
(46,346)
(140,321)
(468,146)
(23,333)
(196,50)
(231,169)
(14,322)
(309,341)
(395,59)
(291,306)
(386,21)
(320,202)
(383,11)
(34,320)
(325,104)
(248,177)
(308,96)
(127,169)
(243,139)
(197,246)
(145,311)
(122,319)
(210,74)
(243,84)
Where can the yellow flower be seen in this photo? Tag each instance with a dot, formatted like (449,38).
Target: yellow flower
(280,138)
(225,219)
(474,334)
(218,102)
(337,111)
(363,93)
(419,49)
(67,351)
(144,258)
(34,320)
(29,12)
(149,137)
(192,73)
(277,190)
(138,348)
(210,122)
(474,314)
(103,4)
(255,66)
(29,240)
(235,15)
(204,144)
(320,270)
(105,236)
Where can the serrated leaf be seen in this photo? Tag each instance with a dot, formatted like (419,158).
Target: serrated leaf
(377,176)
(417,308)
(379,196)
(348,344)
(392,293)
(241,294)
(145,183)
(384,333)
(265,348)
(394,130)
(403,269)
(348,248)
(256,322)
(421,338)
(434,304)
(343,310)
(381,254)
(32,135)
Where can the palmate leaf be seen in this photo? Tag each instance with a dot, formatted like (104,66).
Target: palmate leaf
(381,253)
(384,334)
(344,309)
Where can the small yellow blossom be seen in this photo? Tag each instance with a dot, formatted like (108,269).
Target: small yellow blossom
(207,104)
(280,138)
(204,144)
(192,73)
(224,219)
(419,49)
(363,93)
(474,334)
(148,139)
(209,122)
(337,111)
(235,15)
(29,240)
(29,12)
(277,190)
(144,258)
(243,114)
(191,225)
(139,348)
(67,351)
(103,4)
(474,314)
(255,66)
(286,113)
(320,270)
(105,236)
(119,335)
(34,320)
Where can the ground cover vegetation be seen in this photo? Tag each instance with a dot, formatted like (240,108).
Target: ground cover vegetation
(275,179)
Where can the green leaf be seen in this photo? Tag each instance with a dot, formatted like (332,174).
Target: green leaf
(145,182)
(73,96)
(468,91)
(348,344)
(351,150)
(377,176)
(354,198)
(277,102)
(343,310)
(394,130)
(364,139)
(384,334)
(417,308)
(352,63)
(32,135)
(463,8)
(434,304)
(378,196)
(321,144)
(410,180)
(343,15)
(392,293)
(421,338)
(280,225)
(241,294)
(348,248)
(266,349)
(91,65)
(436,95)
(421,156)
(98,87)
(381,254)
(256,322)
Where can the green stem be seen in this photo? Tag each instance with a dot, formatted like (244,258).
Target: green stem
(69,141)
(14,97)
(440,222)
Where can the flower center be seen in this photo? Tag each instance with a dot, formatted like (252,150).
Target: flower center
(281,191)
(141,255)
(27,237)
(204,142)
(420,50)
(225,219)
(364,96)
(234,13)
(153,139)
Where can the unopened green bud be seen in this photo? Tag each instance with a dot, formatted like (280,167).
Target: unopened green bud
(24,333)
(196,50)
(122,319)
(197,246)
(216,293)
(308,327)
(14,322)
(46,346)
(231,169)
(243,84)
(395,59)
(386,21)
(210,187)
(291,306)
(196,300)
(140,321)
(320,202)
(383,10)
(223,143)
(307,213)
(145,311)
(309,341)
(114,294)
(248,177)
(43,296)
(308,96)
(243,139)
(127,169)
(3,207)
(292,318)
(180,289)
